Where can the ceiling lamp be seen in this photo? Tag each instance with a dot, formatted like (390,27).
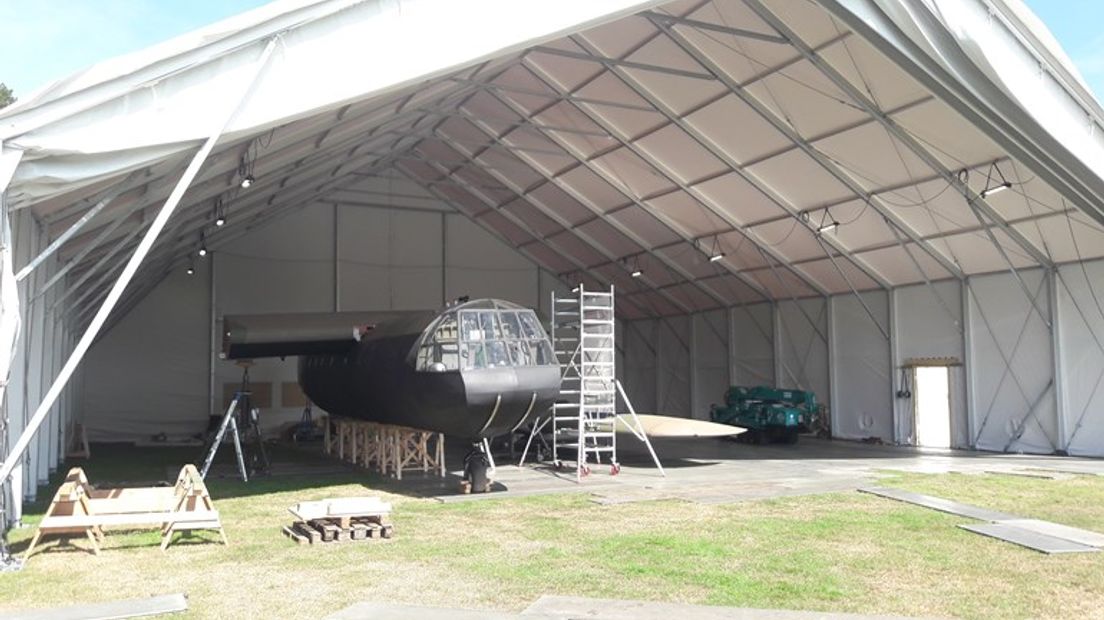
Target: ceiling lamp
(633,265)
(716,254)
(990,188)
(202,245)
(220,213)
(827,222)
(190,270)
(245,166)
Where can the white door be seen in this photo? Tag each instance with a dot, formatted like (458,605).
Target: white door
(932,395)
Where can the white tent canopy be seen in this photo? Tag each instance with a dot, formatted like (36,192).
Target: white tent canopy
(811,149)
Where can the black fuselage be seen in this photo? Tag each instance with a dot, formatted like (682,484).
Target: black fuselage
(374,382)
(378,379)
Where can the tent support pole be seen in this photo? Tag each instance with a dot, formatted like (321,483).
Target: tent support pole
(1062,443)
(968,363)
(833,368)
(128,272)
(776,343)
(75,228)
(898,436)
(855,292)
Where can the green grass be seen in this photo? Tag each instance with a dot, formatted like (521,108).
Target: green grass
(833,552)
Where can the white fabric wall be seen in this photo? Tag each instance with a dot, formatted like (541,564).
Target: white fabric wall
(149,374)
(385,259)
(711,368)
(1081,344)
(639,339)
(861,367)
(481,266)
(803,346)
(928,323)
(752,345)
(389,260)
(1005,327)
(673,377)
(287,266)
(42,346)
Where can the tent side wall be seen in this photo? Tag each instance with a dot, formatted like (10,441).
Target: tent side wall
(321,258)
(1020,388)
(45,341)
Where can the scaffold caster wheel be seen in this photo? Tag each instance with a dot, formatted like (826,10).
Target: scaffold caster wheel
(557,465)
(615,469)
(584,470)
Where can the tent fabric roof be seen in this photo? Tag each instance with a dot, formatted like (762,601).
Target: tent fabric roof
(820,147)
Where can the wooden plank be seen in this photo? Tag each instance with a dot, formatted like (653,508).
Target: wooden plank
(1027,538)
(260,394)
(341,507)
(938,503)
(356,506)
(1057,530)
(360,531)
(291,395)
(304,529)
(296,536)
(329,531)
(112,610)
(109,520)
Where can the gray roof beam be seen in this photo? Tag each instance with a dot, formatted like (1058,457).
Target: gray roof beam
(524,226)
(705,202)
(614,183)
(897,131)
(821,160)
(586,239)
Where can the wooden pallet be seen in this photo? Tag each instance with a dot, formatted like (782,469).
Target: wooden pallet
(332,531)
(339,520)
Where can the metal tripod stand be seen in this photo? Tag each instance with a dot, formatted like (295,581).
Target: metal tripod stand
(241,419)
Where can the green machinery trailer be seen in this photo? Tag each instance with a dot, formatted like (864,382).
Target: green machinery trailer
(770,414)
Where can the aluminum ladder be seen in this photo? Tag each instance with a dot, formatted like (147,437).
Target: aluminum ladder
(583,418)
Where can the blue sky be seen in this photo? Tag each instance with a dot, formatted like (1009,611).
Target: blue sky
(43,40)
(1077,26)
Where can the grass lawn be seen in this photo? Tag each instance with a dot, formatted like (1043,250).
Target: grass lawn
(833,552)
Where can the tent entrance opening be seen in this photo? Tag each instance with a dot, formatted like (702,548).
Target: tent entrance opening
(933,406)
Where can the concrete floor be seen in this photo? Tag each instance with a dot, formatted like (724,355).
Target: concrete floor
(723,471)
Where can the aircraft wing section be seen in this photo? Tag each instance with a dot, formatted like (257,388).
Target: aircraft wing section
(247,336)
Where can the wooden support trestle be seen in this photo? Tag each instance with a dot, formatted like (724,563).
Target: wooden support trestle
(79,508)
(385,448)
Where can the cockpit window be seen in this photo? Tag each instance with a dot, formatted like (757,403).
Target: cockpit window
(441,351)
(529,324)
(487,338)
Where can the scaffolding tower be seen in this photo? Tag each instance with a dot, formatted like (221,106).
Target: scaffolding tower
(584,417)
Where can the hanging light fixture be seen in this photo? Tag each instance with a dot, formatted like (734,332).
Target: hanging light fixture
(827,223)
(716,254)
(635,270)
(990,188)
(202,245)
(245,166)
(220,212)
(190,270)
